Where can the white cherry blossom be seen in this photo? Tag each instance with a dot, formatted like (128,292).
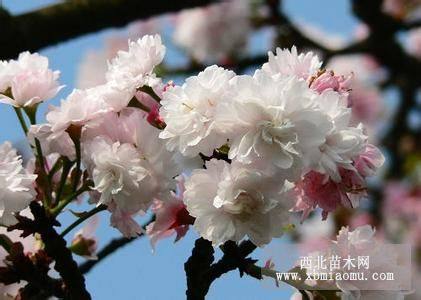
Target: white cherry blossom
(189,112)
(273,121)
(16,186)
(289,63)
(231,202)
(29,79)
(134,68)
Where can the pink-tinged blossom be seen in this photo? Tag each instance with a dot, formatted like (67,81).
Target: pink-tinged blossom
(117,171)
(369,161)
(84,242)
(82,106)
(124,222)
(75,110)
(319,190)
(29,79)
(93,66)
(364,96)
(171,217)
(51,143)
(128,164)
(213,33)
(289,63)
(134,68)
(130,127)
(16,185)
(231,201)
(155,118)
(329,81)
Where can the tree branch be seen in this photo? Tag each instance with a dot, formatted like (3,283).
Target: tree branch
(33,269)
(55,247)
(196,268)
(382,43)
(201,272)
(61,22)
(109,249)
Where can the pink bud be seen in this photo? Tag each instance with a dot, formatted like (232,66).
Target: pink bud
(328,80)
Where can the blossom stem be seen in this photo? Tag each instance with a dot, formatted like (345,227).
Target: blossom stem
(78,164)
(62,204)
(31,113)
(136,103)
(148,90)
(21,120)
(67,166)
(5,242)
(54,169)
(86,216)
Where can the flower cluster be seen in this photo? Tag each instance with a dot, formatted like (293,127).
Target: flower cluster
(286,130)
(278,141)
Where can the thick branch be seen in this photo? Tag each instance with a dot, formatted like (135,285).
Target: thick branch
(58,23)
(200,271)
(196,269)
(55,246)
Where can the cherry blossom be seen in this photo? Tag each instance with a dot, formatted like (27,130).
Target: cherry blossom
(189,112)
(215,32)
(16,185)
(29,79)
(171,217)
(134,68)
(272,120)
(230,202)
(289,63)
(84,242)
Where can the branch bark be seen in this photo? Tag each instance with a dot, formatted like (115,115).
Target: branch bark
(55,247)
(61,22)
(200,271)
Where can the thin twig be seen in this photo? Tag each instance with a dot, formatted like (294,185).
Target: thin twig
(85,216)
(110,248)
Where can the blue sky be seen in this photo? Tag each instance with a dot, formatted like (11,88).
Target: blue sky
(135,272)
